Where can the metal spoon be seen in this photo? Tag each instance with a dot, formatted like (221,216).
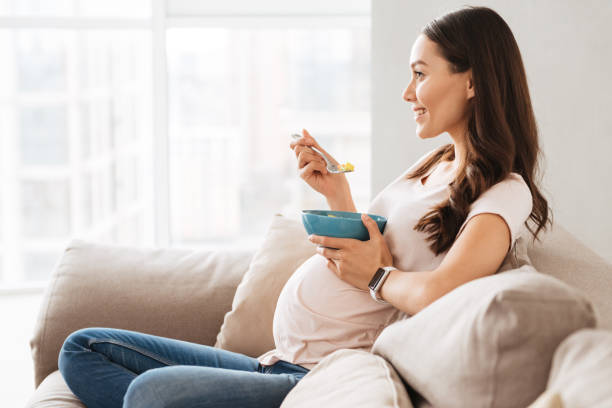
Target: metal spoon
(332,168)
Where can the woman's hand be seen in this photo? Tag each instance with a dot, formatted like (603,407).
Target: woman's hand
(313,168)
(352,260)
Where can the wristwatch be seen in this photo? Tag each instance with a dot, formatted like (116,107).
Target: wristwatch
(377,281)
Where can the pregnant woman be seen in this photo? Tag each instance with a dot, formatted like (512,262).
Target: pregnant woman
(453,216)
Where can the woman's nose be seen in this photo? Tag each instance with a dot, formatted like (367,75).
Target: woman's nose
(408,94)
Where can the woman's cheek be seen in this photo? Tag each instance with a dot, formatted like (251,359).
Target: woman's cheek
(422,97)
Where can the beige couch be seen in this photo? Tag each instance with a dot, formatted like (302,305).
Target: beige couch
(187,295)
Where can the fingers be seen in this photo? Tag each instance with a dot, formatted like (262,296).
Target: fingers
(305,140)
(306,156)
(311,167)
(332,266)
(304,143)
(301,148)
(331,242)
(371,225)
(330,253)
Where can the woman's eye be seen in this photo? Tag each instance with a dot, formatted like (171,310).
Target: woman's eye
(417,73)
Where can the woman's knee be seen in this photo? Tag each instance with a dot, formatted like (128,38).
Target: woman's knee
(77,342)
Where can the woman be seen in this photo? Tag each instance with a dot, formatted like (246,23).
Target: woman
(452,217)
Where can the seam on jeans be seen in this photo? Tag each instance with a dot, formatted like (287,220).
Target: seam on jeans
(390,380)
(133,348)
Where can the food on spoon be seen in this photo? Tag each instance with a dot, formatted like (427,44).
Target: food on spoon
(346,167)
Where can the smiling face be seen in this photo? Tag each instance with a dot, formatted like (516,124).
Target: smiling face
(444,95)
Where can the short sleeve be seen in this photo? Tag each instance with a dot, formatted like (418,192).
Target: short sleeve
(510,199)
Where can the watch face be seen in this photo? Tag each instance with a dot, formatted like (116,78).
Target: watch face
(376,278)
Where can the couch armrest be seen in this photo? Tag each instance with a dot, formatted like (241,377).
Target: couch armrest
(178,293)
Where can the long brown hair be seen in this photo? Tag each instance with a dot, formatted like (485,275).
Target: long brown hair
(502,134)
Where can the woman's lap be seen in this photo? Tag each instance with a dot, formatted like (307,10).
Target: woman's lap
(120,357)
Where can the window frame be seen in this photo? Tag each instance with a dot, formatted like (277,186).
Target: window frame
(345,14)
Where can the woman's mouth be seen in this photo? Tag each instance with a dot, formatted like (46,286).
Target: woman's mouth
(419,114)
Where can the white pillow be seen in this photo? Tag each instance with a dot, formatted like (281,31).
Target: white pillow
(487,343)
(349,379)
(582,369)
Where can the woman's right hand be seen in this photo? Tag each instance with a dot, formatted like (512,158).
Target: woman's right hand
(313,169)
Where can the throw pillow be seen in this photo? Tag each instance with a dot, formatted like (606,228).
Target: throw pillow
(349,379)
(487,343)
(582,369)
(247,328)
(549,399)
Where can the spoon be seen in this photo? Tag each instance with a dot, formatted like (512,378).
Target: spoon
(332,168)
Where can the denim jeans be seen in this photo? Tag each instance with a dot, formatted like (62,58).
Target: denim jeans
(119,368)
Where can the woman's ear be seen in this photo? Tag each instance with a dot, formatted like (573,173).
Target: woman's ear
(470,85)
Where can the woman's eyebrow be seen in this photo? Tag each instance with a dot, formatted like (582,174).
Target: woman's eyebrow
(418,62)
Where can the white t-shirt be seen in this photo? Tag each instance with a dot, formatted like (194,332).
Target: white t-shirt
(317,313)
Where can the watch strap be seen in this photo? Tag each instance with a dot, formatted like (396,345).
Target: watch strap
(375,288)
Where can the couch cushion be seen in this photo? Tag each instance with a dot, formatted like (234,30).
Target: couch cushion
(487,343)
(53,392)
(177,293)
(582,369)
(247,328)
(349,379)
(561,255)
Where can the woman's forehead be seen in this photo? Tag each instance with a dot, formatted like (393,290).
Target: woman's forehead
(425,52)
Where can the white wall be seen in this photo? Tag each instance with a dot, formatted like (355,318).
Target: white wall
(568,58)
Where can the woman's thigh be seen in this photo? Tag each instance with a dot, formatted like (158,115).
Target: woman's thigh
(98,364)
(140,352)
(188,386)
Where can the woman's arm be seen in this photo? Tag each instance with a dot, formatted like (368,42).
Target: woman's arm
(479,251)
(343,201)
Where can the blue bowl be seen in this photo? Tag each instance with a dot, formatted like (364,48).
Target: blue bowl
(342,224)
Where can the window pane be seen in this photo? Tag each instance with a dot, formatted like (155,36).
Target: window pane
(38,265)
(75,107)
(44,138)
(127,232)
(86,200)
(235,97)
(41,60)
(125,173)
(46,209)
(69,8)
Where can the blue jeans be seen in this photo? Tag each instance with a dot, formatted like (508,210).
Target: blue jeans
(120,368)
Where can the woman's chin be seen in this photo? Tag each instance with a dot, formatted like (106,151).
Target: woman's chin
(423,135)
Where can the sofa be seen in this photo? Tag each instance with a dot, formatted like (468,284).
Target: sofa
(538,333)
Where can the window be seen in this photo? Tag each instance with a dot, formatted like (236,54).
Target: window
(235,97)
(76,113)
(168,123)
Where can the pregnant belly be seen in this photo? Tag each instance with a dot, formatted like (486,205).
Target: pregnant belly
(323,293)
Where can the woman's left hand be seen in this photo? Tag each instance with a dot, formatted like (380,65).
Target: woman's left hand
(352,260)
